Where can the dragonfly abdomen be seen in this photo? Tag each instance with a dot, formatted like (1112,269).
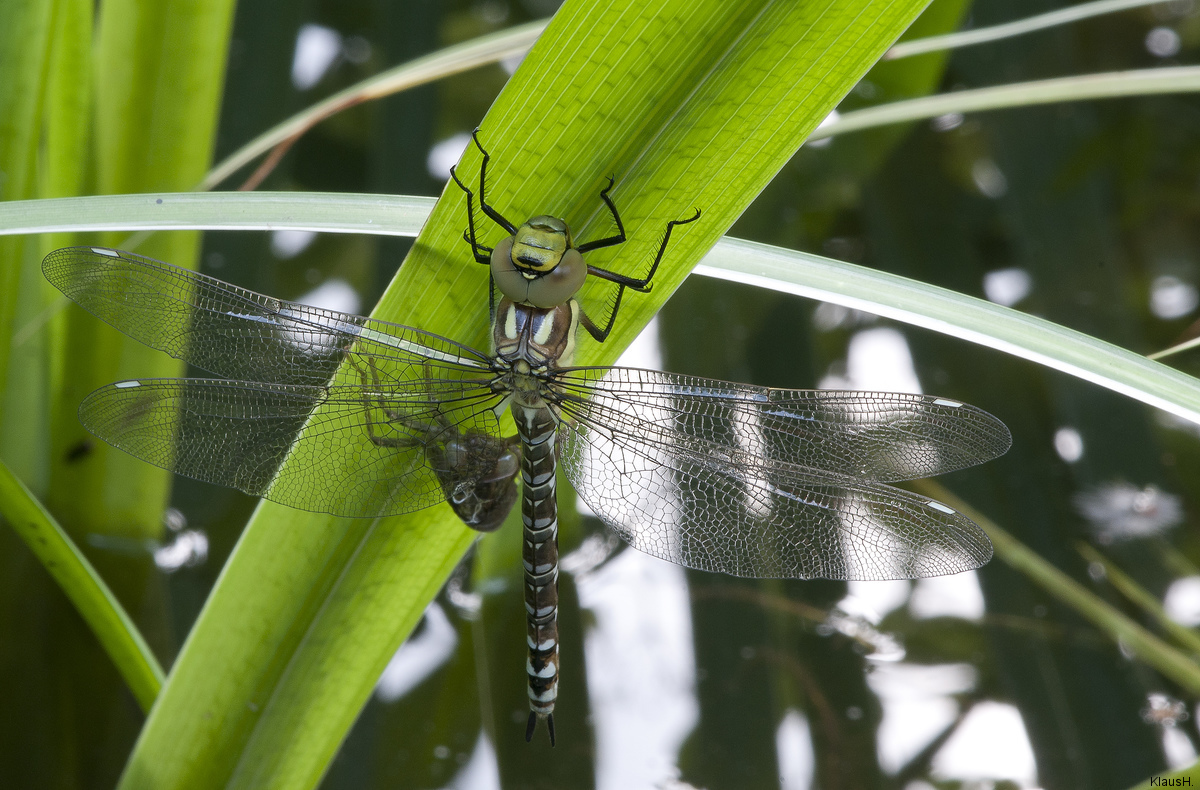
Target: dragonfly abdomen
(537,427)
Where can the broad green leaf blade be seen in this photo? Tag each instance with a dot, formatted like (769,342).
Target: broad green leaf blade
(59,129)
(688,104)
(959,315)
(79,580)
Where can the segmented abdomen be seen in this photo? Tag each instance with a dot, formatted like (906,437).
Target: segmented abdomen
(539,515)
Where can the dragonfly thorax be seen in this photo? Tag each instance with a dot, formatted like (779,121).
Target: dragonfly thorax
(539,264)
(542,338)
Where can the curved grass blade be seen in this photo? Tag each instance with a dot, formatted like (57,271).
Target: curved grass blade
(443,63)
(1138,595)
(78,579)
(967,317)
(901,299)
(1149,648)
(1030,24)
(1111,85)
(324,212)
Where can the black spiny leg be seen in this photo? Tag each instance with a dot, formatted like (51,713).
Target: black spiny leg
(641,286)
(610,241)
(483,254)
(596,332)
(391,416)
(496,216)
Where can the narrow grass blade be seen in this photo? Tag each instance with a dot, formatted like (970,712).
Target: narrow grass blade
(1030,24)
(966,317)
(79,580)
(812,276)
(326,212)
(443,63)
(1112,85)
(1146,646)
(1185,637)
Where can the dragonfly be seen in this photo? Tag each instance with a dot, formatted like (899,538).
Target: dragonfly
(353,416)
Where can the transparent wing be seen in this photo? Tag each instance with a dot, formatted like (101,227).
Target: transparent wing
(772,483)
(348,451)
(873,436)
(237,333)
(800,525)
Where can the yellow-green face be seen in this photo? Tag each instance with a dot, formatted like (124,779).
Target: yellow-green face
(539,244)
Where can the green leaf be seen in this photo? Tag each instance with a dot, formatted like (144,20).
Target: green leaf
(327,212)
(693,104)
(789,271)
(438,65)
(1152,650)
(1082,87)
(968,38)
(79,580)
(967,317)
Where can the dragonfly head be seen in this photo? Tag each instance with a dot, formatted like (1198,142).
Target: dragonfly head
(539,264)
(539,244)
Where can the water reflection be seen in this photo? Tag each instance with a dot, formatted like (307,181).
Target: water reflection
(991,743)
(430,646)
(1121,511)
(640,669)
(793,744)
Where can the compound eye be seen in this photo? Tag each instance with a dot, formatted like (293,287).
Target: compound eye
(513,283)
(558,286)
(539,244)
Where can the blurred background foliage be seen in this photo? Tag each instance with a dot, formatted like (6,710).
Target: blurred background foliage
(1084,213)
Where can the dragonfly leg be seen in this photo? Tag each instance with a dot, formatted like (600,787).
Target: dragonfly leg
(610,241)
(391,416)
(640,285)
(482,254)
(600,335)
(496,216)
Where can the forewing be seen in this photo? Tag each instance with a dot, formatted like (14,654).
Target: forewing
(340,450)
(704,512)
(870,436)
(237,333)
